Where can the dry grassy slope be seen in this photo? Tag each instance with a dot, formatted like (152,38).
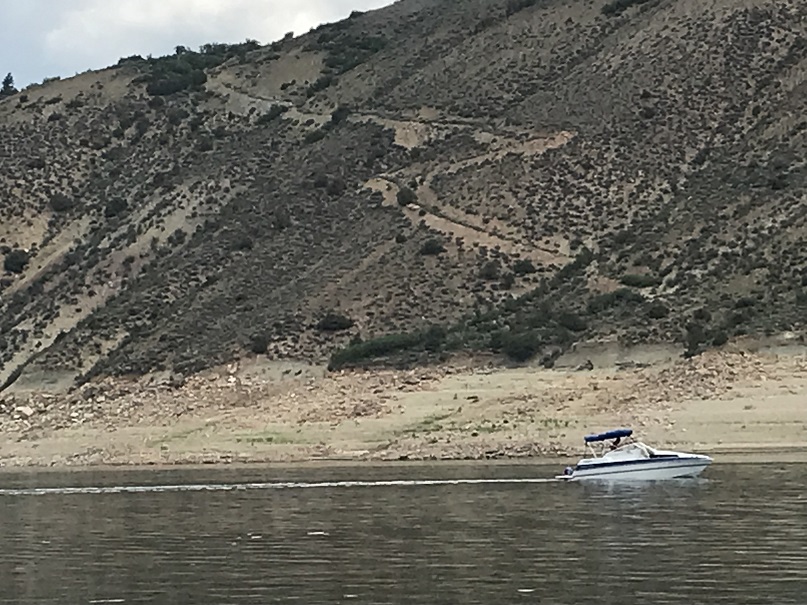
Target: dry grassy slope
(668,138)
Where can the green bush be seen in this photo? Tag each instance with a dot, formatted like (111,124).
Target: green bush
(430,339)
(314,136)
(508,281)
(259,343)
(658,310)
(185,69)
(15,261)
(616,7)
(434,337)
(432,247)
(346,51)
(169,84)
(274,112)
(114,207)
(523,266)
(318,85)
(340,114)
(640,281)
(59,202)
(572,322)
(582,260)
(608,300)
(490,271)
(719,338)
(520,347)
(406,196)
(334,322)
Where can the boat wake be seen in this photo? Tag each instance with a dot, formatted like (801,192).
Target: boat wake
(224,487)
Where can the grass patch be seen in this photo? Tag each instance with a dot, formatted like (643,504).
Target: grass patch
(263,438)
(430,424)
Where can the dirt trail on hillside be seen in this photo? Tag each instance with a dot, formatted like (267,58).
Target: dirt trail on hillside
(260,412)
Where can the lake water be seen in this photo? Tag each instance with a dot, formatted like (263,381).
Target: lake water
(737,536)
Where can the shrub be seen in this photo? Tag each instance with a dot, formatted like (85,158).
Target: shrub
(59,202)
(616,7)
(605,301)
(489,271)
(639,281)
(572,322)
(346,52)
(314,136)
(340,114)
(378,347)
(334,322)
(259,343)
(406,196)
(173,83)
(745,302)
(520,347)
(320,84)
(658,310)
(702,315)
(336,187)
(15,261)
(274,112)
(582,260)
(523,266)
(508,281)
(434,337)
(719,338)
(114,207)
(357,351)
(515,6)
(694,339)
(432,247)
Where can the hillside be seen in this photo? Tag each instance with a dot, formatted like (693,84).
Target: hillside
(468,174)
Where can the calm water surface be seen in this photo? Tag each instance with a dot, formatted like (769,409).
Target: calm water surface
(738,536)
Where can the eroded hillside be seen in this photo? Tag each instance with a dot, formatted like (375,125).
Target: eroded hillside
(508,176)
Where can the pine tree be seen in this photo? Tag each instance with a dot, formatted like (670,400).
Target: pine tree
(8,86)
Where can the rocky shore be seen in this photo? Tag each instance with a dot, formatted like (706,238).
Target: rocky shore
(729,401)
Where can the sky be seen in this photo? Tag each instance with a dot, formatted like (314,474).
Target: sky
(46,38)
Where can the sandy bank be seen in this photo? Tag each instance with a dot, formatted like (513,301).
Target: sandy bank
(736,405)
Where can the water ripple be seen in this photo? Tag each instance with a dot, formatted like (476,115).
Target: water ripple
(737,538)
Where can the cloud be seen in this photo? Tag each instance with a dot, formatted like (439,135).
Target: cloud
(49,38)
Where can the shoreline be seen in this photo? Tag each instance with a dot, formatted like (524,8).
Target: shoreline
(721,457)
(732,404)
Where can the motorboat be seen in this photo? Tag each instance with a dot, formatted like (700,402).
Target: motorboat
(628,459)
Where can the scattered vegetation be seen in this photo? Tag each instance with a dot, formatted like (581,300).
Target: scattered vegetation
(216,218)
(185,69)
(347,50)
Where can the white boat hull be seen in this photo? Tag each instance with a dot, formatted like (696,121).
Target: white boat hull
(641,470)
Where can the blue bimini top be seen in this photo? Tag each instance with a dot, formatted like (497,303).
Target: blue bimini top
(615,434)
